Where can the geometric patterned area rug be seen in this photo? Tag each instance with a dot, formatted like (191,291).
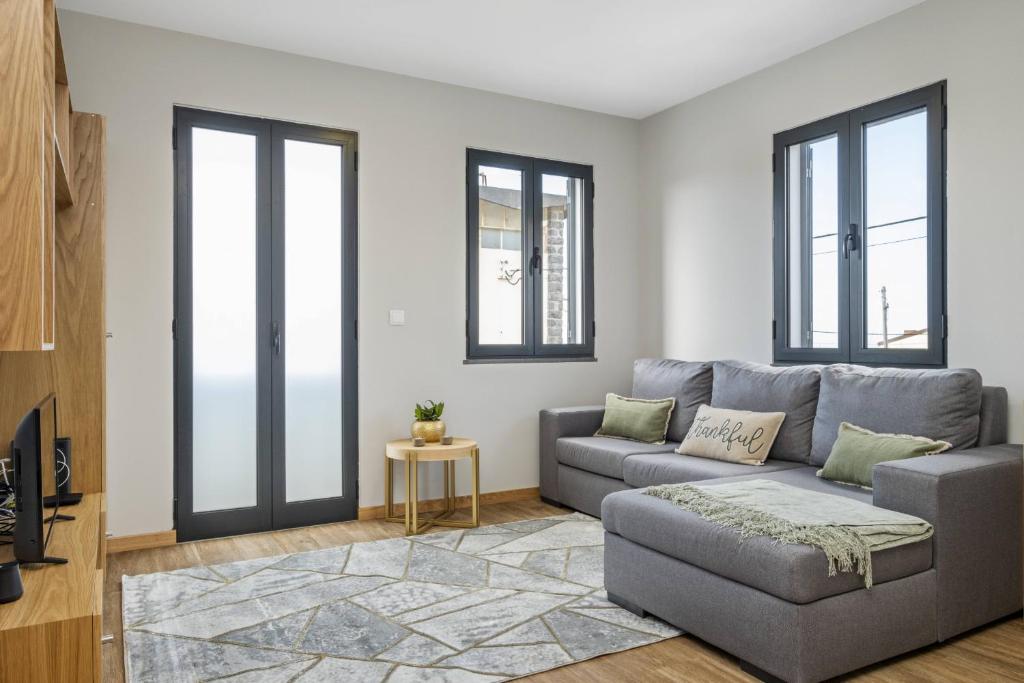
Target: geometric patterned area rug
(465,606)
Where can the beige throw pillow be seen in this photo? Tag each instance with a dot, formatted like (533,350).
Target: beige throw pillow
(739,436)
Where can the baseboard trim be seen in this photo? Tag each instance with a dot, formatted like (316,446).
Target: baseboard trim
(509,496)
(160,539)
(156,539)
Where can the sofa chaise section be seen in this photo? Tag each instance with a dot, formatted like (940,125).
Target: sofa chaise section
(973,499)
(800,643)
(773,606)
(796,573)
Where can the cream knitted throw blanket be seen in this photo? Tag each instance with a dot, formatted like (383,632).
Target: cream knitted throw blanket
(848,531)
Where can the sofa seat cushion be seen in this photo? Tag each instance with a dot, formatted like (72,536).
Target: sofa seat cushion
(793,572)
(650,469)
(601,454)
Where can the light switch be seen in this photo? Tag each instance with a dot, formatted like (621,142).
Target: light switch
(396,317)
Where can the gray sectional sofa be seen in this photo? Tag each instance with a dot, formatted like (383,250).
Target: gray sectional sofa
(773,605)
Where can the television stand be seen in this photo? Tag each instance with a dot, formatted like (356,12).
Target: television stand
(63,499)
(59,518)
(48,560)
(57,623)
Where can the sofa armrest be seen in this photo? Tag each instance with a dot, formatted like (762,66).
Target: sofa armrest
(973,499)
(554,424)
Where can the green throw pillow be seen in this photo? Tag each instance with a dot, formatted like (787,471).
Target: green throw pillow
(636,418)
(857,450)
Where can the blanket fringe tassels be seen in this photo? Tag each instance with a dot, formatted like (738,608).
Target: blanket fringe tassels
(845,550)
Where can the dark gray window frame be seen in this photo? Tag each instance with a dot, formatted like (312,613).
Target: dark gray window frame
(848,127)
(532,349)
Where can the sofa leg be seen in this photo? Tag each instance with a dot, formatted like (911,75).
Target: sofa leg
(627,605)
(759,674)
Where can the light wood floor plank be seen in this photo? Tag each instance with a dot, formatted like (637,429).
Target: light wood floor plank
(994,653)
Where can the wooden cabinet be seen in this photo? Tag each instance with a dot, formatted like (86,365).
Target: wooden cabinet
(52,207)
(36,180)
(53,632)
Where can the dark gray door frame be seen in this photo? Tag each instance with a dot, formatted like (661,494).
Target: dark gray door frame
(271,511)
(302,513)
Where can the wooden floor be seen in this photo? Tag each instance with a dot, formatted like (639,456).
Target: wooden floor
(995,653)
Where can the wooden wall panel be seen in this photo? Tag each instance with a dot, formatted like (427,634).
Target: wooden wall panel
(21,169)
(25,378)
(49,172)
(80,355)
(76,368)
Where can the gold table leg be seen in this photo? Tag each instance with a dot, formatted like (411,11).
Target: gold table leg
(476,487)
(414,524)
(408,493)
(441,518)
(450,477)
(413,502)
(389,491)
(447,489)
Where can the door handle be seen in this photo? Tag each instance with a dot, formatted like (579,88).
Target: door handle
(850,241)
(535,261)
(276,338)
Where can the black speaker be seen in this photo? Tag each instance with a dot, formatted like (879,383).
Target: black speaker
(62,462)
(10,582)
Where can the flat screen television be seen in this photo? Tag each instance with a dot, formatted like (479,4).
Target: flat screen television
(35,476)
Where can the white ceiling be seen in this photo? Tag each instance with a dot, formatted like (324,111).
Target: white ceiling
(632,58)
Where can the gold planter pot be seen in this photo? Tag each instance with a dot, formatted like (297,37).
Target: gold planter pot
(431,432)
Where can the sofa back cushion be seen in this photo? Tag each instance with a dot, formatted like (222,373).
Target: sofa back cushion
(761,388)
(938,404)
(688,383)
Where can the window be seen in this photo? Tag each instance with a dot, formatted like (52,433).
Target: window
(860,235)
(530,272)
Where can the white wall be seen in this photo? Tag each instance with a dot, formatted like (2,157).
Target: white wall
(706,183)
(683,220)
(413,136)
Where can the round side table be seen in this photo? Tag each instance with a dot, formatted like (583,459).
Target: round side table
(412,456)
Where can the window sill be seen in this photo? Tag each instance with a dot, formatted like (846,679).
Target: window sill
(530,359)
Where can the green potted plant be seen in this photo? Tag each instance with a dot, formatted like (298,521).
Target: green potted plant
(428,424)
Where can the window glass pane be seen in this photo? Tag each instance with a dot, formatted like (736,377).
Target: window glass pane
(562,260)
(490,238)
(224,417)
(500,283)
(312,383)
(512,240)
(896,232)
(812,224)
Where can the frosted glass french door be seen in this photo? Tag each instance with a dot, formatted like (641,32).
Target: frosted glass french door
(265,384)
